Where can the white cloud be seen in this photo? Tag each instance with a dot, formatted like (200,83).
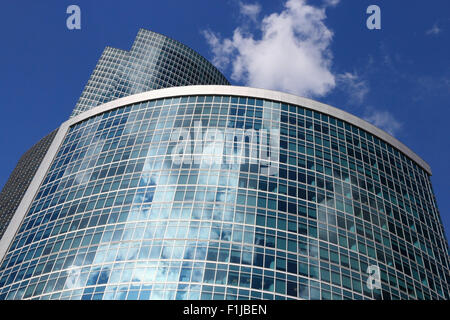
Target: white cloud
(222,50)
(250,10)
(292,54)
(383,120)
(435,30)
(331,3)
(356,87)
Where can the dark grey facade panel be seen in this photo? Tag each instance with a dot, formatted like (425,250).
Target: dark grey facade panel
(19,180)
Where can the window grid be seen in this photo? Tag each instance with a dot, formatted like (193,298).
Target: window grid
(342,200)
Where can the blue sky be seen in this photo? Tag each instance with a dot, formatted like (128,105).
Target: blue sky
(397,77)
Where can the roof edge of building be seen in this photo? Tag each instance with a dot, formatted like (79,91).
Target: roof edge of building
(256,93)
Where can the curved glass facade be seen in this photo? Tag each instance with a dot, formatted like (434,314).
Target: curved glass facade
(165,199)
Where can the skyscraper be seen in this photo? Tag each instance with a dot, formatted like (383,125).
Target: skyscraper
(154,62)
(167,183)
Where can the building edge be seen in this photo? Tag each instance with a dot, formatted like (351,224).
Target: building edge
(263,94)
(20,179)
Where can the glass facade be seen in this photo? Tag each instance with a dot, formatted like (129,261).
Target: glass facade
(154,62)
(119,217)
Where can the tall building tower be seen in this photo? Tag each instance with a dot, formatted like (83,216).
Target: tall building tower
(167,183)
(154,61)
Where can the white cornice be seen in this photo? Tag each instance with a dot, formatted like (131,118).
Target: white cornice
(256,93)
